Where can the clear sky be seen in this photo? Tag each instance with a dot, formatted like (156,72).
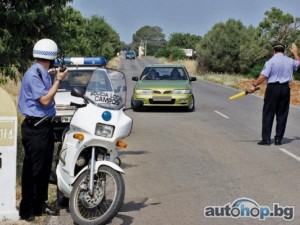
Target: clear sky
(179,16)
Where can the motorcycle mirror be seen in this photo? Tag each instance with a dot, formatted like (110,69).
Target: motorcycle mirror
(77,92)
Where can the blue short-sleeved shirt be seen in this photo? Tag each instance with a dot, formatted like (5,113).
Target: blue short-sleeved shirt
(33,88)
(279,68)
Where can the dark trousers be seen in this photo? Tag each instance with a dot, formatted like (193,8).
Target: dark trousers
(276,102)
(38,144)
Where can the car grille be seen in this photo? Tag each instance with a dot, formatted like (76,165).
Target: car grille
(162,92)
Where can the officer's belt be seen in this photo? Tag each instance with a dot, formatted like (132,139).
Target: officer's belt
(34,120)
(278,83)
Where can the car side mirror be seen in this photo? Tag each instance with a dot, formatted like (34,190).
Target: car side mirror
(193,78)
(135,78)
(77,92)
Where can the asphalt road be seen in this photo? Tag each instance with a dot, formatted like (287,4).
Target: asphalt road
(178,163)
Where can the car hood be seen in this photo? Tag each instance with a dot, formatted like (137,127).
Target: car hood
(164,84)
(65,97)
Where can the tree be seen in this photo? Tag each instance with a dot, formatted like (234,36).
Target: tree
(22,24)
(73,41)
(219,49)
(152,37)
(182,40)
(87,37)
(103,40)
(278,27)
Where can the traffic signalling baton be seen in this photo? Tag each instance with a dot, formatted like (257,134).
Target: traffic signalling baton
(239,95)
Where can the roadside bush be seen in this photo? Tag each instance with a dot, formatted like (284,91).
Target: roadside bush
(172,53)
(297,75)
(255,71)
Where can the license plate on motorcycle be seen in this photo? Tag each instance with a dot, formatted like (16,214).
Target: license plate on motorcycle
(66,119)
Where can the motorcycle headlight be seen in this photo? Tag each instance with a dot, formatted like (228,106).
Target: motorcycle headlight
(181,92)
(104,130)
(144,92)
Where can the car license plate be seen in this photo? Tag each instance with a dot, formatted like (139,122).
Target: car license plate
(162,98)
(66,119)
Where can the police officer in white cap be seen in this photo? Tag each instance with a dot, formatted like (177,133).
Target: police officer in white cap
(36,103)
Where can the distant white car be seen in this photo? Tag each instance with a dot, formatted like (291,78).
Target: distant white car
(80,71)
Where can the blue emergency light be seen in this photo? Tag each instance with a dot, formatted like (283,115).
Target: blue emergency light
(106,116)
(82,61)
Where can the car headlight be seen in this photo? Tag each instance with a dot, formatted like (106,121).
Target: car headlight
(104,130)
(144,92)
(181,92)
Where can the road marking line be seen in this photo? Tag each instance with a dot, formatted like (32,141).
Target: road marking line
(221,114)
(290,154)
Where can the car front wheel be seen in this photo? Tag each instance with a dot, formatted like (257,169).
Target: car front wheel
(191,107)
(133,108)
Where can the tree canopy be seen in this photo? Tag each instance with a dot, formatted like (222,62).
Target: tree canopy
(228,47)
(24,22)
(152,37)
(233,48)
(183,40)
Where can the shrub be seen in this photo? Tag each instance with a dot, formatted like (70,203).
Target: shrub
(297,75)
(257,68)
(172,53)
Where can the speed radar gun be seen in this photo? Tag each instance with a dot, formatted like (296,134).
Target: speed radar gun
(89,173)
(241,94)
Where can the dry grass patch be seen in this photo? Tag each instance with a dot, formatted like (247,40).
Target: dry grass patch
(233,81)
(114,63)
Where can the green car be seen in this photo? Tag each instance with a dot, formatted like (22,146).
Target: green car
(165,85)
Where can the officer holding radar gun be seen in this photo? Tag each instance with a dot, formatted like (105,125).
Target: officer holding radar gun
(278,72)
(36,103)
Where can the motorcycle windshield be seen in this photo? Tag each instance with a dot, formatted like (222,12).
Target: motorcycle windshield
(107,89)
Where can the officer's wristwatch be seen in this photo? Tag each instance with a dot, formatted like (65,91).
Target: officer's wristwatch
(59,81)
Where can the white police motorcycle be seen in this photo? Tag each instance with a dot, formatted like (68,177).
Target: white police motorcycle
(87,172)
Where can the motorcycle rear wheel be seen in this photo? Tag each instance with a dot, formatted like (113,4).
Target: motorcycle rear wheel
(104,204)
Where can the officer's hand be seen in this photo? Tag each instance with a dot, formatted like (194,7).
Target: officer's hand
(294,49)
(251,89)
(61,75)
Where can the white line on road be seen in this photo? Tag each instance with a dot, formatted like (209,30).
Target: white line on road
(221,114)
(290,154)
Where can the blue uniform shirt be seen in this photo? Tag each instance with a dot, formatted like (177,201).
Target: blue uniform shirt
(32,88)
(279,68)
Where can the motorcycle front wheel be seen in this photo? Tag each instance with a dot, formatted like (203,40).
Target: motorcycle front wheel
(104,204)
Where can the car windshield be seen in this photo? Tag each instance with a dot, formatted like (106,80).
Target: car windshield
(164,73)
(76,78)
(107,89)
